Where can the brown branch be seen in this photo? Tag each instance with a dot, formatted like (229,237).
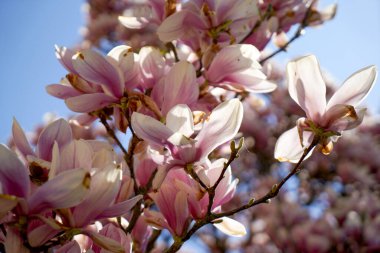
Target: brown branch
(210,218)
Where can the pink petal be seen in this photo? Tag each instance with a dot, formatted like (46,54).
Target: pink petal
(151,65)
(41,235)
(59,131)
(120,208)
(178,24)
(20,139)
(288,146)
(76,154)
(14,177)
(65,190)
(95,68)
(231,59)
(223,125)
(65,55)
(62,91)
(355,89)
(306,86)
(105,185)
(180,86)
(150,129)
(181,213)
(89,102)
(115,233)
(104,242)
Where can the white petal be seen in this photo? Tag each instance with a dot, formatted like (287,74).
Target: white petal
(150,129)
(355,88)
(288,146)
(180,119)
(231,227)
(306,86)
(224,123)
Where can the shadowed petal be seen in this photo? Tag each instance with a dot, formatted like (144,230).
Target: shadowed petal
(65,190)
(95,68)
(61,91)
(14,177)
(59,131)
(150,129)
(20,140)
(89,102)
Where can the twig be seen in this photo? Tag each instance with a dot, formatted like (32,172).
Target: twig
(152,240)
(111,133)
(297,34)
(172,48)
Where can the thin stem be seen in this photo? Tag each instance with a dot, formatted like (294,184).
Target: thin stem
(111,133)
(276,188)
(152,240)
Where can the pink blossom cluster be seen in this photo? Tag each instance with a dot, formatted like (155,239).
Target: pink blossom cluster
(165,161)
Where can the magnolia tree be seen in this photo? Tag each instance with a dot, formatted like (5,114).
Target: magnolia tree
(187,133)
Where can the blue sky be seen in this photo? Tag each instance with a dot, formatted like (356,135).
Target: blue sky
(31,28)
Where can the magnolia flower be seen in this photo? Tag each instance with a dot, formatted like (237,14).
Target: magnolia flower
(177,135)
(324,120)
(236,67)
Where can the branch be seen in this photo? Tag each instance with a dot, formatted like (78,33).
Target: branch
(210,217)
(297,34)
(276,188)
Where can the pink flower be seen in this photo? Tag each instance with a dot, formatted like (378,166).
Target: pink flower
(236,67)
(200,23)
(177,135)
(324,120)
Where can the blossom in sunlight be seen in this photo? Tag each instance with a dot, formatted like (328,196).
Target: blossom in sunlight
(177,135)
(236,67)
(324,120)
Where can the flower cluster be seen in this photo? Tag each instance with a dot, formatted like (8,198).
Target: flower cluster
(172,105)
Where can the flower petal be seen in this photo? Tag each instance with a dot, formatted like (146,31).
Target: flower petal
(61,91)
(70,247)
(180,119)
(104,242)
(20,140)
(150,129)
(180,86)
(230,227)
(65,190)
(105,185)
(65,55)
(120,208)
(95,68)
(76,154)
(89,102)
(288,146)
(223,125)
(151,65)
(307,87)
(14,177)
(59,131)
(355,88)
